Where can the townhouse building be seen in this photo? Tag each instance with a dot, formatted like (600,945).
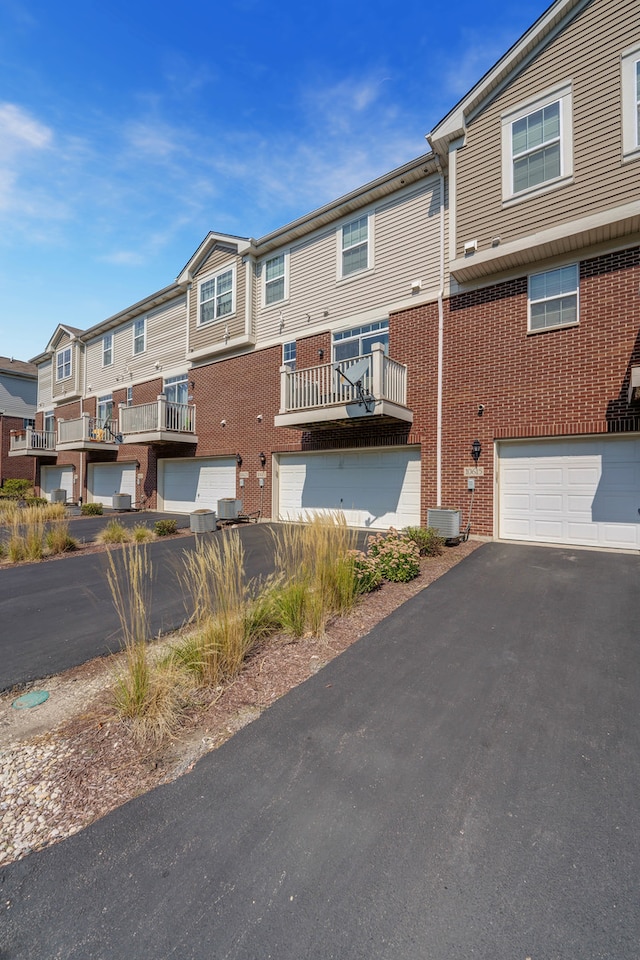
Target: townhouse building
(18,393)
(484,296)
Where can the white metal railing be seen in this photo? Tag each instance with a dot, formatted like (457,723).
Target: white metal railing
(86,429)
(325,385)
(30,439)
(158,416)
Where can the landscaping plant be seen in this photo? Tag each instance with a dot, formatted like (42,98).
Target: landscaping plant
(164,528)
(428,540)
(396,555)
(59,540)
(91,510)
(114,532)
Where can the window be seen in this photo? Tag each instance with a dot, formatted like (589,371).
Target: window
(631,103)
(129,396)
(63,364)
(553,298)
(274,288)
(139,335)
(289,354)
(176,389)
(355,246)
(104,409)
(49,422)
(107,350)
(358,341)
(537,150)
(216,297)
(28,422)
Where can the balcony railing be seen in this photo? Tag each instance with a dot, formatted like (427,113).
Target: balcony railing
(32,442)
(160,420)
(373,384)
(87,433)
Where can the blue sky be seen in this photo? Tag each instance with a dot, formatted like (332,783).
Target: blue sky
(129,130)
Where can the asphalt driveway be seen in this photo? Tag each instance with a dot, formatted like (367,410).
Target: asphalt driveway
(59,614)
(461,783)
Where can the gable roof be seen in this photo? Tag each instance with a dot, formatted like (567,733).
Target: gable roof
(548,26)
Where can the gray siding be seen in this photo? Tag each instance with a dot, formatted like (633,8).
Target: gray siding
(212,335)
(586,53)
(17,396)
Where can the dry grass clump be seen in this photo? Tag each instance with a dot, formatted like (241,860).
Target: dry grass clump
(114,532)
(58,539)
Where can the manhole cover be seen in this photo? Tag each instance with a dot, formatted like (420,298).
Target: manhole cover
(32,699)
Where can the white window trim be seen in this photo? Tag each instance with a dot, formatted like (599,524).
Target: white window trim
(563,95)
(347,278)
(630,134)
(557,326)
(214,276)
(110,350)
(263,267)
(69,375)
(138,353)
(285,361)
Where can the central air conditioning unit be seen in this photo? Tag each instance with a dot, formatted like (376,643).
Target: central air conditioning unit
(229,508)
(446,522)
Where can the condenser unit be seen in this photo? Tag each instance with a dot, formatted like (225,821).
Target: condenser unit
(446,522)
(229,508)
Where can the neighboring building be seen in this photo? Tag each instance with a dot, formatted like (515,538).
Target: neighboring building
(488,290)
(18,391)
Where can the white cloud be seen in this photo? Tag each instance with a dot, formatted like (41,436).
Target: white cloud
(19,131)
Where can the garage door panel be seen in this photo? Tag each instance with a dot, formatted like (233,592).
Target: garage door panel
(105,480)
(56,478)
(193,484)
(584,491)
(373,489)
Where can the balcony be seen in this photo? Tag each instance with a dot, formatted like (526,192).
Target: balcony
(87,433)
(364,389)
(32,443)
(159,422)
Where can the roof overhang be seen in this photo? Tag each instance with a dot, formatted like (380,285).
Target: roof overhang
(617,223)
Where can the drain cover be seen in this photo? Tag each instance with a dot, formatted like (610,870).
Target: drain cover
(32,699)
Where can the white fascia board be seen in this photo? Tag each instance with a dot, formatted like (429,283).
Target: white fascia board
(239,244)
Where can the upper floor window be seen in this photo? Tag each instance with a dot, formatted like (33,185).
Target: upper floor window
(289,354)
(354,246)
(63,364)
(129,396)
(49,422)
(107,350)
(139,335)
(358,341)
(631,103)
(104,410)
(274,286)
(537,150)
(176,389)
(216,297)
(28,422)
(553,298)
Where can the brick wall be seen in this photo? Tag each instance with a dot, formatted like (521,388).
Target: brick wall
(563,382)
(13,468)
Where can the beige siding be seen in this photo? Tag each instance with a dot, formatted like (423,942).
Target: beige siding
(212,335)
(45,385)
(72,386)
(165,345)
(586,53)
(405,248)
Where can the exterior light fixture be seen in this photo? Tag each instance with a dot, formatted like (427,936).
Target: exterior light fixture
(238,459)
(321,353)
(476,450)
(262,459)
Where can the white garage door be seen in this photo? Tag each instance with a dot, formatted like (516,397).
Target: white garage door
(571,491)
(373,488)
(106,479)
(192,484)
(56,478)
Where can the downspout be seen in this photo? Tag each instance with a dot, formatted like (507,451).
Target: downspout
(440,343)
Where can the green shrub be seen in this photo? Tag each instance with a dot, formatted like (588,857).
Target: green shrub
(91,510)
(366,572)
(165,528)
(428,540)
(38,502)
(13,487)
(397,557)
